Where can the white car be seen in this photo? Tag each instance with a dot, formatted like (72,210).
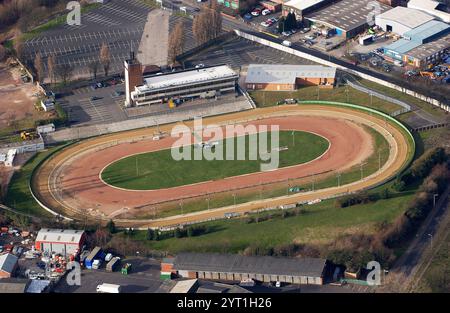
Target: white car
(200,65)
(108,257)
(265,24)
(256,12)
(266,12)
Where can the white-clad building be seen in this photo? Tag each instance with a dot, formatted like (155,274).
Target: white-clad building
(431,7)
(400,20)
(185,85)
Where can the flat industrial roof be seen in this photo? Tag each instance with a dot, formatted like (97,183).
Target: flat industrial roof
(235,263)
(406,16)
(8,262)
(302,4)
(402,46)
(184,286)
(345,14)
(426,50)
(286,74)
(427,30)
(60,235)
(186,77)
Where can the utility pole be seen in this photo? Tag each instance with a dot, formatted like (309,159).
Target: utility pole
(293,138)
(339,179)
(431,240)
(379,159)
(207,200)
(181,206)
(434,200)
(137,167)
(234,199)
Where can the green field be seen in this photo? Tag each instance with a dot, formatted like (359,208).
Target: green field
(318,224)
(158,169)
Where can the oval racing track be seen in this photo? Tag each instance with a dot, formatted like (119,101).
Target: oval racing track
(70,181)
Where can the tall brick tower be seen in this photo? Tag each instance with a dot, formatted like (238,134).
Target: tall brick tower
(133,77)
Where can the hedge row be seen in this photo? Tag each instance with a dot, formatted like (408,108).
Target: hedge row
(420,168)
(419,207)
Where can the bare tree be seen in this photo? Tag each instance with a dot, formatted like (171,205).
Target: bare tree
(208,24)
(18,47)
(176,42)
(105,58)
(51,65)
(39,67)
(64,72)
(200,28)
(93,67)
(2,52)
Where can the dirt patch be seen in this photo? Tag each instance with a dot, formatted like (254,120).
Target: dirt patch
(17,100)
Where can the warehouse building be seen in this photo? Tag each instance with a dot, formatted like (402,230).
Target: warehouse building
(277,77)
(233,267)
(400,20)
(421,46)
(346,18)
(303,7)
(60,241)
(432,7)
(204,82)
(8,265)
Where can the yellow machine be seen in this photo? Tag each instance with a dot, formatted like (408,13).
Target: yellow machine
(27,135)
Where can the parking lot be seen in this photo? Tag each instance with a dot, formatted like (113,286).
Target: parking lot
(239,52)
(119,23)
(88,106)
(144,278)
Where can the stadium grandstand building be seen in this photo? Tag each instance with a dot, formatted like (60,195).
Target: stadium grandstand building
(204,82)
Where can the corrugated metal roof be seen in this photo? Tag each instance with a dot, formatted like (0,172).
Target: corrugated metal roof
(426,30)
(302,4)
(402,46)
(8,262)
(408,17)
(285,74)
(60,235)
(234,263)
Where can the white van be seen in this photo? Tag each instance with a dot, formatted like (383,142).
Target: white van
(108,288)
(286,43)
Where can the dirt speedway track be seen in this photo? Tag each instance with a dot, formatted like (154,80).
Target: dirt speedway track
(70,182)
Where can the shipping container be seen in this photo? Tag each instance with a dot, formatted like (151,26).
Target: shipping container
(113,264)
(95,254)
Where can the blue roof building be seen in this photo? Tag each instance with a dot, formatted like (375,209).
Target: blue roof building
(427,32)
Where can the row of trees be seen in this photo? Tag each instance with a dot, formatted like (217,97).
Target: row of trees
(419,207)
(27,12)
(206,26)
(64,71)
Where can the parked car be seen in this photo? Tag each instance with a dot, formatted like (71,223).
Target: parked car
(256,12)
(108,257)
(266,12)
(305,30)
(248,16)
(265,24)
(286,33)
(201,65)
(310,37)
(94,98)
